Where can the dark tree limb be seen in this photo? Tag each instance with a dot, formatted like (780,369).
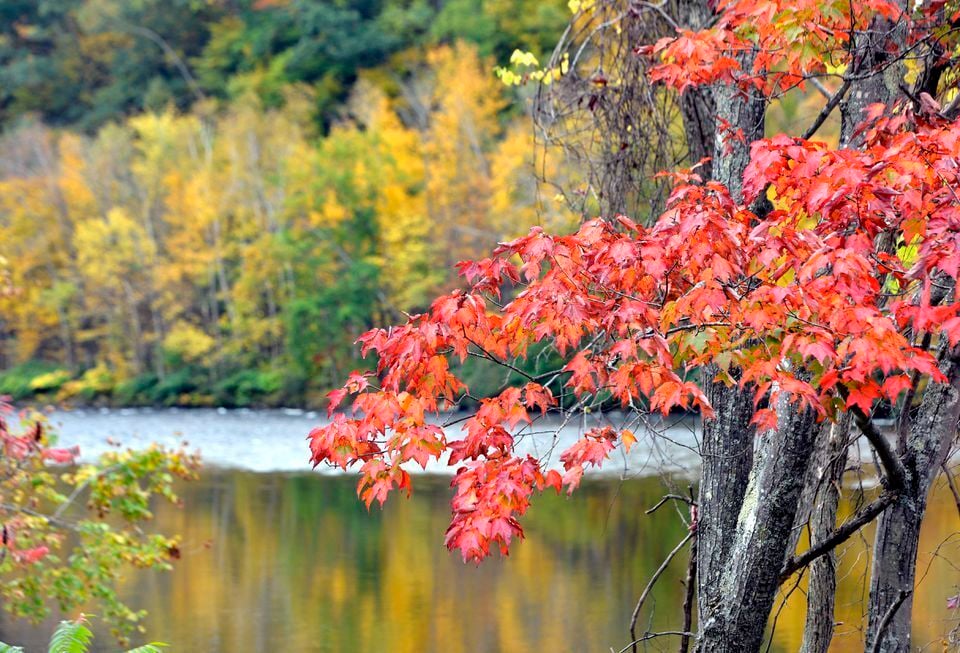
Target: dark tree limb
(895,475)
(668,497)
(827,109)
(862,517)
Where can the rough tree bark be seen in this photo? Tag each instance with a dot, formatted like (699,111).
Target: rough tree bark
(745,518)
(828,464)
(880,69)
(696,104)
(727,444)
(751,573)
(898,530)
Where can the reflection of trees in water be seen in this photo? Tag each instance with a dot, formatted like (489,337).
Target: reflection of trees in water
(295,563)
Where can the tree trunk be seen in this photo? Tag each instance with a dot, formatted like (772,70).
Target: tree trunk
(898,530)
(696,104)
(879,80)
(727,455)
(728,440)
(830,461)
(751,575)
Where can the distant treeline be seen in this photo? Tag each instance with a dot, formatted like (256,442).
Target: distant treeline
(244,188)
(84,63)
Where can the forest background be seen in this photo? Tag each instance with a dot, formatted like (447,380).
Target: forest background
(205,202)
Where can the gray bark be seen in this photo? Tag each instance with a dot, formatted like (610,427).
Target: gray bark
(830,461)
(728,440)
(876,72)
(727,454)
(737,619)
(743,111)
(696,104)
(898,529)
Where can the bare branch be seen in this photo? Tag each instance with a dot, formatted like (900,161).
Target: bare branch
(646,590)
(953,487)
(895,476)
(662,633)
(668,497)
(827,109)
(864,516)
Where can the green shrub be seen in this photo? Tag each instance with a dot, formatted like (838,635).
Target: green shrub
(169,390)
(16,381)
(138,390)
(51,381)
(247,387)
(95,382)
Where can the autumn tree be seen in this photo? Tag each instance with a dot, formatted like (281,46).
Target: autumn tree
(790,291)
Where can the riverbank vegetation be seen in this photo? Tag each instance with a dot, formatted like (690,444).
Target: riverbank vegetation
(207,203)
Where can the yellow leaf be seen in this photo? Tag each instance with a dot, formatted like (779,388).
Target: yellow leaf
(628,439)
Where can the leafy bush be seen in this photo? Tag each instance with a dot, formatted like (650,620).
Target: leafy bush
(135,391)
(16,381)
(56,553)
(95,382)
(169,391)
(247,387)
(51,381)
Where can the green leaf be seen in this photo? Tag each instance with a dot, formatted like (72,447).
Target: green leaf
(6,648)
(152,647)
(70,637)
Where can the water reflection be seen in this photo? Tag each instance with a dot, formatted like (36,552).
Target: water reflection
(293,563)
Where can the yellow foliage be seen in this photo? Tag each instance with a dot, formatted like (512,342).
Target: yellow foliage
(188,342)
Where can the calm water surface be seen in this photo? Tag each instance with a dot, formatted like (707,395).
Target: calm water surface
(289,560)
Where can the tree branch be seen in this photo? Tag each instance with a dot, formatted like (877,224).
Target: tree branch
(646,590)
(662,633)
(865,515)
(667,497)
(33,513)
(690,583)
(895,476)
(827,109)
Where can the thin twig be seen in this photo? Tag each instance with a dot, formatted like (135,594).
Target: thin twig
(33,513)
(646,590)
(668,497)
(662,633)
(953,487)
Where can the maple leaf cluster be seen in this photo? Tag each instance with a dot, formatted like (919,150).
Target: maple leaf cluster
(637,310)
(832,300)
(788,41)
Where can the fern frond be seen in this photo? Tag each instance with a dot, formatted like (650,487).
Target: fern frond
(70,637)
(6,648)
(152,647)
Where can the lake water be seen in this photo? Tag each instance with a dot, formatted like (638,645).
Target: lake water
(279,558)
